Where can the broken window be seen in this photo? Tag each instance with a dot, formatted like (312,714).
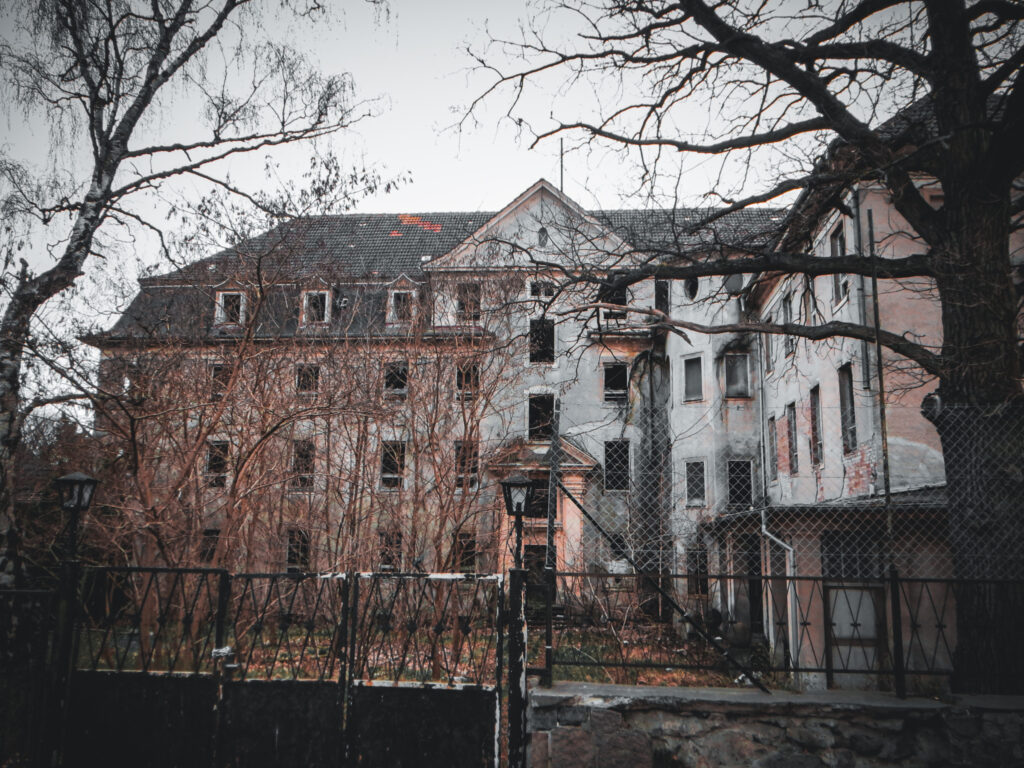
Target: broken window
(794,457)
(616,382)
(297,559)
(847,413)
(737,375)
(390,550)
(693,379)
(314,307)
(219,377)
(817,449)
(230,307)
(307,379)
(467,303)
(467,380)
(401,307)
(467,463)
(392,464)
(208,545)
(465,552)
(616,465)
(741,483)
(840,282)
(303,463)
(541,414)
(396,378)
(696,493)
(217,463)
(542,340)
(773,450)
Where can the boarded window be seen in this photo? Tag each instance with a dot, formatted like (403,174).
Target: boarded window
(696,491)
(307,379)
(542,340)
(737,375)
(817,449)
(392,464)
(847,413)
(616,465)
(741,483)
(693,379)
(616,382)
(794,455)
(298,550)
(541,414)
(303,463)
(217,463)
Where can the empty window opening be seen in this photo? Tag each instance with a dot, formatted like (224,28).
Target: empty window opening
(401,307)
(303,463)
(693,379)
(538,505)
(847,413)
(741,483)
(619,296)
(541,415)
(217,463)
(840,282)
(298,551)
(616,382)
(542,340)
(817,448)
(230,307)
(616,465)
(467,464)
(794,455)
(467,303)
(696,493)
(396,378)
(737,375)
(314,307)
(392,464)
(307,379)
(220,375)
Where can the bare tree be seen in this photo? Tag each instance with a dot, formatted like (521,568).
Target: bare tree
(900,95)
(103,73)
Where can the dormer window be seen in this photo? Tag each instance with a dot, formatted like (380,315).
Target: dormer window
(316,307)
(230,308)
(401,307)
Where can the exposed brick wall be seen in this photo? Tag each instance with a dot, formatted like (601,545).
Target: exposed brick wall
(606,726)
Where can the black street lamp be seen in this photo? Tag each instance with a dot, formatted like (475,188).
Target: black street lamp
(76,492)
(517,491)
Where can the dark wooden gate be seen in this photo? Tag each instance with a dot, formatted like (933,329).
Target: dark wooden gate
(197,667)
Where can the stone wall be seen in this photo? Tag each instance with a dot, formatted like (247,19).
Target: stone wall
(607,726)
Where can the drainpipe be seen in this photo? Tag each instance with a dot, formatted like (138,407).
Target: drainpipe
(792,602)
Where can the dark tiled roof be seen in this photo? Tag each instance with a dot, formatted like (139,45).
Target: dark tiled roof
(356,255)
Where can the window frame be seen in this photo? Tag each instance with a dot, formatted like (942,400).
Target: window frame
(817,445)
(463,392)
(466,552)
(702,499)
(217,451)
(218,381)
(773,449)
(306,296)
(467,465)
(543,289)
(749,478)
(468,308)
(298,550)
(392,474)
(208,545)
(837,248)
(303,464)
(405,317)
(847,408)
(616,478)
(792,447)
(768,348)
(699,358)
(221,315)
(620,298)
(390,543)
(788,339)
(301,376)
(616,396)
(391,374)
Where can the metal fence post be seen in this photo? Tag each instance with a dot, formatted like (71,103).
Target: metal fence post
(351,611)
(221,660)
(549,627)
(65,642)
(896,604)
(516,670)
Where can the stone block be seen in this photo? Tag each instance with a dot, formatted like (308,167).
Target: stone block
(571,747)
(811,737)
(604,719)
(540,720)
(537,751)
(573,715)
(788,759)
(624,748)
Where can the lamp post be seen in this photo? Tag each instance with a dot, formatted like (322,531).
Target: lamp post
(76,492)
(517,491)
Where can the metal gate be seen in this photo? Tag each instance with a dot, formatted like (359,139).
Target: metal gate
(184,667)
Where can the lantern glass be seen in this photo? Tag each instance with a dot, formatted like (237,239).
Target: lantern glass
(516,491)
(76,490)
